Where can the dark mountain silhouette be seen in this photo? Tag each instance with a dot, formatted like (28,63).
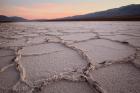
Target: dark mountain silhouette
(4,18)
(11,19)
(15,18)
(124,13)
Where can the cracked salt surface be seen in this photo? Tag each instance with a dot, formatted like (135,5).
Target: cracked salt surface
(36,40)
(19,42)
(78,37)
(8,78)
(51,59)
(64,86)
(118,78)
(42,49)
(101,50)
(137,59)
(6,52)
(70,57)
(5,61)
(132,40)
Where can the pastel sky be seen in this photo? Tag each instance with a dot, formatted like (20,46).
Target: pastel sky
(39,9)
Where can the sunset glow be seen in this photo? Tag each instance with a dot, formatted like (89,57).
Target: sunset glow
(48,9)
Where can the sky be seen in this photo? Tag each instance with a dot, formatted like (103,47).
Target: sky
(49,9)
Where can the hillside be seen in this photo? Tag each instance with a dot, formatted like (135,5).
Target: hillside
(11,19)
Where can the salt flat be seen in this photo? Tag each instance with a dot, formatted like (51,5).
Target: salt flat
(70,57)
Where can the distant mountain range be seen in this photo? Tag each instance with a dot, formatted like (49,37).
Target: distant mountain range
(124,13)
(11,19)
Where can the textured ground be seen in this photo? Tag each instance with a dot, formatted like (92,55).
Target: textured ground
(70,57)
